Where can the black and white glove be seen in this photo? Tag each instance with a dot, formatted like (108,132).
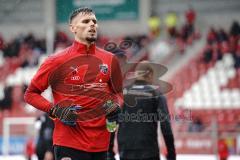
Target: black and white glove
(67,115)
(113,116)
(113,110)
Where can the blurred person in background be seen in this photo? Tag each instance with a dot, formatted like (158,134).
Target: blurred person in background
(82,76)
(222,150)
(44,146)
(154,25)
(137,133)
(196,125)
(235,29)
(171,21)
(7,100)
(29,148)
(190,18)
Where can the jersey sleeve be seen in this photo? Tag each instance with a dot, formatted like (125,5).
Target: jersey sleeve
(116,80)
(38,84)
(40,79)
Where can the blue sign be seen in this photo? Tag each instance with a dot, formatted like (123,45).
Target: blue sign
(17,144)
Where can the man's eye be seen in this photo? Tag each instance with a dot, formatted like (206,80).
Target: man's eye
(94,21)
(86,21)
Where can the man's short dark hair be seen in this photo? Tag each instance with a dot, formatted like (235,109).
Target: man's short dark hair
(85,10)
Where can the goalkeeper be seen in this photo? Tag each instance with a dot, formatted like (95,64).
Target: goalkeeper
(82,78)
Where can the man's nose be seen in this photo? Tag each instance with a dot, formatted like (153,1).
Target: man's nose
(92,23)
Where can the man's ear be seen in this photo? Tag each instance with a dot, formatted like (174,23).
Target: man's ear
(72,28)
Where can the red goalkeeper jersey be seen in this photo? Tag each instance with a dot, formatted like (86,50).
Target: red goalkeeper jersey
(86,76)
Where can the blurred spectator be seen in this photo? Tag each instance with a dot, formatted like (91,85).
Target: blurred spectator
(44,144)
(29,148)
(61,37)
(11,49)
(34,43)
(208,54)
(224,47)
(235,29)
(211,36)
(219,43)
(31,60)
(190,16)
(187,34)
(222,150)
(154,24)
(217,54)
(61,41)
(196,125)
(230,141)
(222,35)
(233,44)
(6,102)
(30,40)
(142,41)
(171,23)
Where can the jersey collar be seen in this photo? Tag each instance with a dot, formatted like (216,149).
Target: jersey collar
(82,48)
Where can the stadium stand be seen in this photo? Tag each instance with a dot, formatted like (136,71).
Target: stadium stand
(208,84)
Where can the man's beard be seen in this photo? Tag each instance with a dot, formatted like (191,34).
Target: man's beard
(91,39)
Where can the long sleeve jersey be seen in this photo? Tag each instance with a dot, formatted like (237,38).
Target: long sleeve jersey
(87,76)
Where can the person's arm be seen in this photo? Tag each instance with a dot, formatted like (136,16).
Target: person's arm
(38,84)
(116,80)
(116,87)
(33,97)
(166,129)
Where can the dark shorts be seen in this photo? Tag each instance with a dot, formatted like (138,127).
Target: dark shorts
(66,153)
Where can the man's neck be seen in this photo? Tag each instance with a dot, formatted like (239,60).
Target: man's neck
(84,42)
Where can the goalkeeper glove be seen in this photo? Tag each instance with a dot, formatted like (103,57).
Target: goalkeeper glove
(67,115)
(113,110)
(113,116)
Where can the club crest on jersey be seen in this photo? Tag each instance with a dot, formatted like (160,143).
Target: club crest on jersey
(103,68)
